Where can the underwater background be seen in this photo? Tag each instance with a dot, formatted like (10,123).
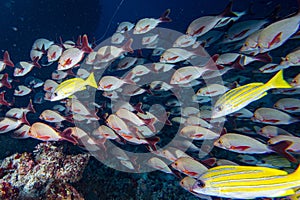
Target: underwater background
(24,21)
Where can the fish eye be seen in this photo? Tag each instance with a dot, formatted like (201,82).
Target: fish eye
(200,184)
(175,163)
(218,108)
(246,44)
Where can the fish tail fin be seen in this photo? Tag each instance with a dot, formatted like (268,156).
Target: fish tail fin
(165,16)
(228,10)
(5,81)
(264,57)
(91,80)
(277,81)
(7,60)
(24,119)
(127,46)
(85,44)
(30,107)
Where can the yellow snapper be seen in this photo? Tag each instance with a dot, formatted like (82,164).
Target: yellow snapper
(70,86)
(247,182)
(238,98)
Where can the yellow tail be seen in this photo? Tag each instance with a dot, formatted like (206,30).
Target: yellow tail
(91,80)
(277,81)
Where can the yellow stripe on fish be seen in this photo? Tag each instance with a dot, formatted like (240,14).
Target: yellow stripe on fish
(247,182)
(237,98)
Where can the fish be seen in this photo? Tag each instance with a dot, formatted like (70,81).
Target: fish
(246,182)
(23,68)
(277,33)
(291,59)
(290,105)
(36,55)
(74,55)
(106,132)
(54,52)
(22,90)
(8,124)
(45,132)
(50,85)
(175,54)
(272,116)
(272,67)
(52,116)
(294,146)
(110,83)
(109,53)
(271,131)
(149,38)
(133,118)
(41,44)
(184,41)
(198,133)
(242,30)
(124,27)
(202,25)
(160,165)
(71,86)
(237,98)
(241,144)
(251,43)
(189,166)
(212,90)
(187,74)
(18,112)
(147,24)
(117,38)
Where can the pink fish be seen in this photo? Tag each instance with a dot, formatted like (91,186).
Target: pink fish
(147,24)
(72,56)
(8,124)
(272,116)
(204,24)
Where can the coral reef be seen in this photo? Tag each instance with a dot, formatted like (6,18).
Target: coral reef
(45,174)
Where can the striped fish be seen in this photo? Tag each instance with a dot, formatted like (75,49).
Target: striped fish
(238,98)
(244,182)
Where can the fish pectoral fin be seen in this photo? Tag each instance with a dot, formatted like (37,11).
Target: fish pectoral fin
(189,173)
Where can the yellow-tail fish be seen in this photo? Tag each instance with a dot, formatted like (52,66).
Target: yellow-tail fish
(245,182)
(240,97)
(70,86)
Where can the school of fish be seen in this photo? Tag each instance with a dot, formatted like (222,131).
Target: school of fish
(241,139)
